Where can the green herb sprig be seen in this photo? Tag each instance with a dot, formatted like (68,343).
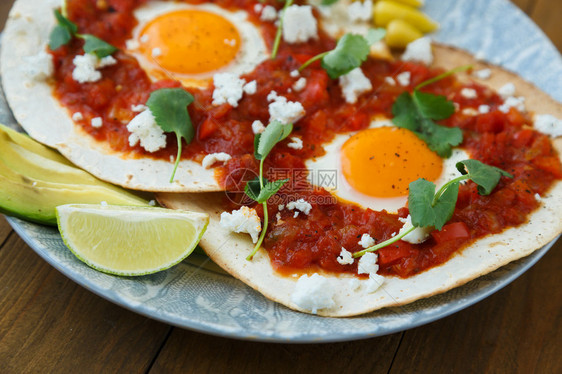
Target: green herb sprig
(260,189)
(418,111)
(65,30)
(434,209)
(169,108)
(350,52)
(279,33)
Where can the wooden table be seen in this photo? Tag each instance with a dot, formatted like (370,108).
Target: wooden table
(50,324)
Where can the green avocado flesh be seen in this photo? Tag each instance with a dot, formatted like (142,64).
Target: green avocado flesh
(34,180)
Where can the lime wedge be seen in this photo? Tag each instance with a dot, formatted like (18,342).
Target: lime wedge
(129,240)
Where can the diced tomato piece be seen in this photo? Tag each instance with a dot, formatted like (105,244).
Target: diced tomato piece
(550,164)
(451,231)
(395,252)
(207,128)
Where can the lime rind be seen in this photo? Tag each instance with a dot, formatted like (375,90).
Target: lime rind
(199,221)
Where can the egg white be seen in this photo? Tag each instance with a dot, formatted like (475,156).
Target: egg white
(330,164)
(252,51)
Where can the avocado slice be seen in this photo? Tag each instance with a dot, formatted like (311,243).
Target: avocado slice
(34,180)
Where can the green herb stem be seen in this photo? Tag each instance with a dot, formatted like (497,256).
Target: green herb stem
(177,159)
(443,76)
(386,243)
(315,58)
(265,218)
(446,185)
(279,33)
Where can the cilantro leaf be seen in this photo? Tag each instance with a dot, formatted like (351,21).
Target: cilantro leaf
(426,208)
(273,134)
(350,52)
(63,31)
(261,195)
(436,107)
(329,2)
(416,113)
(485,176)
(169,108)
(96,46)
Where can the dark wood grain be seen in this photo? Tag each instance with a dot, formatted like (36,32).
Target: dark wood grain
(50,324)
(189,352)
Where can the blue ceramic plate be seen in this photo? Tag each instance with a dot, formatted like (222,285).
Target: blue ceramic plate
(198,295)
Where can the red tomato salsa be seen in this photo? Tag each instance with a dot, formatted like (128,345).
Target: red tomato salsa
(314,241)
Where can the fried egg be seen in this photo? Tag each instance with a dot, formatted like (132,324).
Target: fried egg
(191,43)
(374,167)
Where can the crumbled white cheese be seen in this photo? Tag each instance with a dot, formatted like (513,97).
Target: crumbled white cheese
(469,112)
(86,66)
(345,257)
(97,122)
(257,127)
(404,78)
(300,205)
(243,220)
(548,124)
(513,102)
(132,44)
(538,197)
(250,88)
(469,93)
(144,38)
(258,8)
(299,24)
(156,52)
(483,109)
(359,11)
(419,50)
(230,42)
(366,241)
(368,264)
(143,128)
(229,88)
(152,203)
(39,67)
(300,84)
(282,110)
(390,81)
(419,235)
(280,206)
(268,13)
(353,84)
(213,158)
(313,293)
(296,143)
(294,73)
(77,117)
(138,108)
(483,74)
(507,90)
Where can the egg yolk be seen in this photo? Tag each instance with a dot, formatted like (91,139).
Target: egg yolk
(190,41)
(381,162)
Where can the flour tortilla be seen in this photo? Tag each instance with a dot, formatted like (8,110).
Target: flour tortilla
(27,34)
(229,250)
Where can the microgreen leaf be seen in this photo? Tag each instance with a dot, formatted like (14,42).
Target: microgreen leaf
(169,108)
(63,31)
(485,176)
(427,208)
(273,134)
(329,2)
(435,107)
(417,112)
(96,46)
(350,52)
(261,195)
